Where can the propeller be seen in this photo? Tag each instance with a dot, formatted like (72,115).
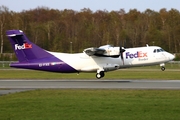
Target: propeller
(121,50)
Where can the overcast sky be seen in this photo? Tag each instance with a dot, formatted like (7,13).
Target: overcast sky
(94,5)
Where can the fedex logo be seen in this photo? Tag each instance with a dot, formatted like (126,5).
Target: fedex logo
(138,54)
(22,47)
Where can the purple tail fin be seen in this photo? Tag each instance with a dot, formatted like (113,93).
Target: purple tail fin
(24,49)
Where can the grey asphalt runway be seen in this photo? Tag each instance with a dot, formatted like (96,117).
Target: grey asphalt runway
(11,86)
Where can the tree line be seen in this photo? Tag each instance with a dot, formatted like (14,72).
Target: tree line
(72,31)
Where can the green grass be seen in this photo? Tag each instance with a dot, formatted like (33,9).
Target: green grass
(91,105)
(172,74)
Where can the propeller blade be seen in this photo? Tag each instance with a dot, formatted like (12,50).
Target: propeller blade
(121,50)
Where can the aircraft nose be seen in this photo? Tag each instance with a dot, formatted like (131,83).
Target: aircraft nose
(171,56)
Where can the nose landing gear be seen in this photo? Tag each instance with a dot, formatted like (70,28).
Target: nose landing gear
(162,67)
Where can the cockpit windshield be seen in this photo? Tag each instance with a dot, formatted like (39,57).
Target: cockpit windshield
(158,50)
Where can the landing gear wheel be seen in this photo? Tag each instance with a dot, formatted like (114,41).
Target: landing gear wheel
(163,68)
(100,75)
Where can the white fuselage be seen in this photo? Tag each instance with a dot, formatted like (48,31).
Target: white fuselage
(140,56)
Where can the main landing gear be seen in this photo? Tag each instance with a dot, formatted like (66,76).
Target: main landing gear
(100,74)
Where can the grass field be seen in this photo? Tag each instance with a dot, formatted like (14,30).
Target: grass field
(120,74)
(77,104)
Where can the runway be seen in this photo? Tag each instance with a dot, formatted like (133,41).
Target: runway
(11,86)
(91,84)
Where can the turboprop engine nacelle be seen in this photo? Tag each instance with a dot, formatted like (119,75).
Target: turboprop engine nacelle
(111,51)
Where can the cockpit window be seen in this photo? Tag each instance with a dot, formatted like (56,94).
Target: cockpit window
(154,51)
(162,50)
(158,50)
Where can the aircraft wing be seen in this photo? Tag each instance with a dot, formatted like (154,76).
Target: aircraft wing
(95,51)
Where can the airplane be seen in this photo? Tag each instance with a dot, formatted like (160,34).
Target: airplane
(100,60)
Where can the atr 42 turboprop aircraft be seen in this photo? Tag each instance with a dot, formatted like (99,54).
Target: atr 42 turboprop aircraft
(99,60)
